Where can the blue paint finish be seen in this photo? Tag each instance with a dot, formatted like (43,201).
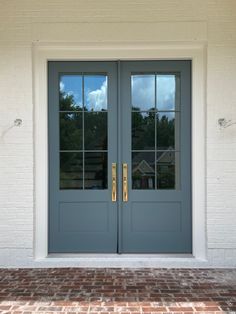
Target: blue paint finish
(156,219)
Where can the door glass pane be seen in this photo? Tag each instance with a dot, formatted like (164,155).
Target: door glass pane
(95,171)
(143,130)
(70,95)
(95,130)
(95,92)
(155,128)
(165,132)
(143,92)
(71,136)
(143,170)
(71,170)
(166,169)
(83,131)
(167,93)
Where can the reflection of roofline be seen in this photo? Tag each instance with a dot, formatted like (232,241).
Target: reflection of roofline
(146,164)
(165,152)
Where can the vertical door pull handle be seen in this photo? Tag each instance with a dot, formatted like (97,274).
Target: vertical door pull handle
(114,183)
(125,182)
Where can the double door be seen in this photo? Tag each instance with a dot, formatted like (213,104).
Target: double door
(119,157)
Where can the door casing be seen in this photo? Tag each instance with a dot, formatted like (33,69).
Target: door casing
(45,52)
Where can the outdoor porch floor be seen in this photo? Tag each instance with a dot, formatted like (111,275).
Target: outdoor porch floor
(84,290)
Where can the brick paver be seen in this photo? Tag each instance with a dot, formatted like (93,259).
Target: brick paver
(79,290)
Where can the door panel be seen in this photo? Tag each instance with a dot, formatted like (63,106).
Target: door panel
(156,104)
(82,108)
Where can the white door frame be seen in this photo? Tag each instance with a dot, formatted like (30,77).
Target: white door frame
(42,53)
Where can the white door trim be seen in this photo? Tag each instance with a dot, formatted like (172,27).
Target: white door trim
(42,53)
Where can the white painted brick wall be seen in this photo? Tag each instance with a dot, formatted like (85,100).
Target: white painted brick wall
(18,22)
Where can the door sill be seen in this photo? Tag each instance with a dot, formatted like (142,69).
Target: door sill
(120,256)
(112,260)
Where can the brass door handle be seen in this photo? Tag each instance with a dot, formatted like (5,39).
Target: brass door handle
(113,173)
(125,182)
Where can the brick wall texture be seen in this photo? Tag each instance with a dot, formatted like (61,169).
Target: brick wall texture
(27,21)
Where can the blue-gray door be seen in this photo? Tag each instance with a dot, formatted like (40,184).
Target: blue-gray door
(156,145)
(120,157)
(82,108)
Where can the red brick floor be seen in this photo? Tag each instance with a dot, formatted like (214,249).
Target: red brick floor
(77,290)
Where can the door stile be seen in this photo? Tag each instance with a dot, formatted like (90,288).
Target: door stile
(119,160)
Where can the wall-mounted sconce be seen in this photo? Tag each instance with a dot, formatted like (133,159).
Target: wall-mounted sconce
(223,123)
(18,122)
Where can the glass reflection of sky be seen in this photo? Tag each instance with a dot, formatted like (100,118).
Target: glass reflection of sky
(95,90)
(72,85)
(143,91)
(165,86)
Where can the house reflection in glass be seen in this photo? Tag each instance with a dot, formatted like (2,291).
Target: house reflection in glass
(165,169)
(144,172)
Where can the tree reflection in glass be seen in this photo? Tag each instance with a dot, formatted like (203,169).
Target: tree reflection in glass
(71,131)
(95,130)
(143,130)
(165,130)
(70,93)
(83,128)
(155,126)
